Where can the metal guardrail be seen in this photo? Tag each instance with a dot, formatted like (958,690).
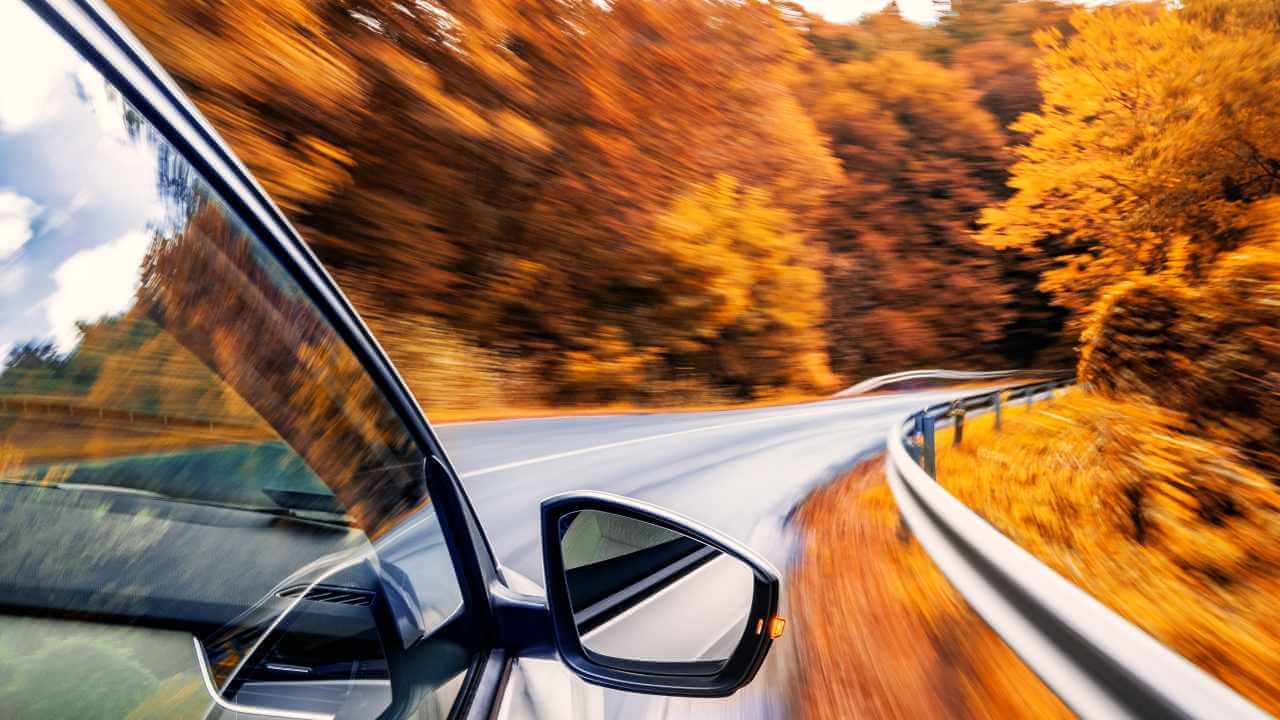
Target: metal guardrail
(875,383)
(1098,663)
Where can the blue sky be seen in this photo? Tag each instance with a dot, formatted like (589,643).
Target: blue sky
(77,196)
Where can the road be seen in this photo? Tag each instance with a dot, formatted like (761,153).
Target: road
(740,471)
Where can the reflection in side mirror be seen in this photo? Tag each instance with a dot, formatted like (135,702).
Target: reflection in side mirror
(642,592)
(642,599)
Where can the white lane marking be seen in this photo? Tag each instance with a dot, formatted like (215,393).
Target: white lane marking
(662,436)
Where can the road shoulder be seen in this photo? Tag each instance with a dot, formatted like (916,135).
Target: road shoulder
(879,632)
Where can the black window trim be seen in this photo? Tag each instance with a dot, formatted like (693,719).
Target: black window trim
(100,38)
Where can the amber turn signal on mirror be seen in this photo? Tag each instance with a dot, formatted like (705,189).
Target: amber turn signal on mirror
(776,626)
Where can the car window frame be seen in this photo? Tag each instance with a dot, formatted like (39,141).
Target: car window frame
(102,40)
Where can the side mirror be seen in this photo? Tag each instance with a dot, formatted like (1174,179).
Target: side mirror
(642,599)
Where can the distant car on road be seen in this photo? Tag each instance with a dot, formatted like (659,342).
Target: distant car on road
(217,497)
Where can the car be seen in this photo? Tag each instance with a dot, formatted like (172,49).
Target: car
(217,496)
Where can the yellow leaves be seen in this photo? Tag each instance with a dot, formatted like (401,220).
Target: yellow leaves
(316,169)
(1128,345)
(1128,500)
(609,368)
(1156,127)
(517,131)
(307,170)
(251,49)
(441,108)
(733,275)
(1211,350)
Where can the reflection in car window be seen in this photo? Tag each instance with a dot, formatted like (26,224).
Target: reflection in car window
(187,448)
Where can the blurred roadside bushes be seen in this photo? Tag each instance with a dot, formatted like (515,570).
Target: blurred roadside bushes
(1129,501)
(1236,343)
(1211,351)
(1134,342)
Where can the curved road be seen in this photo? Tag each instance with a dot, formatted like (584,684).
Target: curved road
(740,471)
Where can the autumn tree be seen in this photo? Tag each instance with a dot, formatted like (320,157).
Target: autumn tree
(673,94)
(1157,129)
(747,294)
(920,159)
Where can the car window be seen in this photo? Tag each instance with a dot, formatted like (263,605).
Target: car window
(201,490)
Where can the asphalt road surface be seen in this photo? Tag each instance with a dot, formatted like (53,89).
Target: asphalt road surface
(740,471)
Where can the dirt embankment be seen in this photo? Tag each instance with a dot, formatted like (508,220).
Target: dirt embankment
(879,631)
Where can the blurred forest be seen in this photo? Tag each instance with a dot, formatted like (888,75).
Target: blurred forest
(540,202)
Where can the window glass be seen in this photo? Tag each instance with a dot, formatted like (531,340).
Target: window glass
(200,487)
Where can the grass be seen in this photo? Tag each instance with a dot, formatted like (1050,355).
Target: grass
(879,631)
(1172,531)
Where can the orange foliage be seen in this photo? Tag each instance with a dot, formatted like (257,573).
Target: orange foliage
(1209,350)
(506,171)
(1158,129)
(920,159)
(878,630)
(1132,342)
(1125,499)
(500,165)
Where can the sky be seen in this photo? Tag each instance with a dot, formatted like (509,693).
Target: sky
(849,10)
(77,195)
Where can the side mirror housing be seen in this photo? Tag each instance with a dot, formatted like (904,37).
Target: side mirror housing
(645,600)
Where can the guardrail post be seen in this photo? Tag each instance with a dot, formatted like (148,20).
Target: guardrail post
(917,429)
(995,403)
(926,428)
(956,413)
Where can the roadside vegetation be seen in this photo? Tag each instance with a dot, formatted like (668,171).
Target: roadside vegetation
(1145,192)
(1129,501)
(1148,189)
(642,203)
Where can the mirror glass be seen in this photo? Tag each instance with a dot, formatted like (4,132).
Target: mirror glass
(641,592)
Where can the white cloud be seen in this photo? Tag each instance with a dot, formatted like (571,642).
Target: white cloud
(16,215)
(93,283)
(37,61)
